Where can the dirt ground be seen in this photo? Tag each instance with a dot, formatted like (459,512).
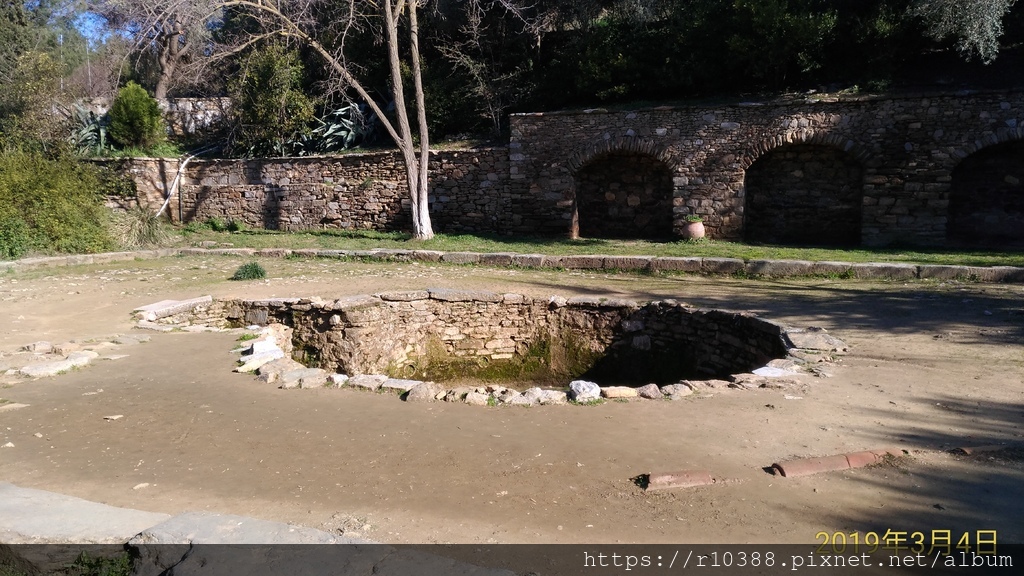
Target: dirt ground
(932,366)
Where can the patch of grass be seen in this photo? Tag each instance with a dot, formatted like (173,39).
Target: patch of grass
(160,150)
(9,570)
(594,402)
(247,336)
(366,240)
(137,228)
(86,565)
(250,271)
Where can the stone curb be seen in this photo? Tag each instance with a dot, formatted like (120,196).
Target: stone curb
(808,466)
(692,264)
(680,479)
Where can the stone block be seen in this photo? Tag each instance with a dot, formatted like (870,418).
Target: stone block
(826,268)
(460,258)
(427,255)
(448,295)
(166,308)
(628,262)
(941,272)
(721,265)
(618,392)
(584,391)
(673,264)
(778,268)
(884,271)
(368,381)
(497,259)
(582,262)
(528,260)
(997,273)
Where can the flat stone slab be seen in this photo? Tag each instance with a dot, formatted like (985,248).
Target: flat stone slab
(12,406)
(213,528)
(449,295)
(304,378)
(815,339)
(29,516)
(398,384)
(253,362)
(164,308)
(46,369)
(368,381)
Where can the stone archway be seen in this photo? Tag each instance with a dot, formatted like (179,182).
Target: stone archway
(804,194)
(623,194)
(986,201)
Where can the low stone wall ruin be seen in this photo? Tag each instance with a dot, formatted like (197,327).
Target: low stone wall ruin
(600,339)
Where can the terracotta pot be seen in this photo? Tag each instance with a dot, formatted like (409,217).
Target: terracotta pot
(693,230)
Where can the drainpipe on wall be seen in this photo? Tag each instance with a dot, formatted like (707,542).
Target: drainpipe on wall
(169,192)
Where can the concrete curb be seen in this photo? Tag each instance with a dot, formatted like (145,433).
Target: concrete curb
(680,479)
(692,264)
(807,466)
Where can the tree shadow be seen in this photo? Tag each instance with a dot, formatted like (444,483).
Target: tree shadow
(967,312)
(938,488)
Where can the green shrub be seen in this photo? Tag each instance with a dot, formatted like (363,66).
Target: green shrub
(250,271)
(135,118)
(217,224)
(271,111)
(50,205)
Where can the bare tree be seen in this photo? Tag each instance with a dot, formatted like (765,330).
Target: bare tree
(476,48)
(172,29)
(308,21)
(976,24)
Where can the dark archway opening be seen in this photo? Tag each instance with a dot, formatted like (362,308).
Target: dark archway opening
(624,195)
(804,195)
(986,202)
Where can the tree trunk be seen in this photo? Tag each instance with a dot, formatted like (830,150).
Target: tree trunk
(426,231)
(415,165)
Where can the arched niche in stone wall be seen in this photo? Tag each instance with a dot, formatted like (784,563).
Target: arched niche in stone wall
(986,202)
(804,194)
(623,194)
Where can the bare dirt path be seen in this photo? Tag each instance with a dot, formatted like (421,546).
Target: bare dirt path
(933,366)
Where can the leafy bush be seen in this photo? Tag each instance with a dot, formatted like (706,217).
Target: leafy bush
(272,112)
(49,205)
(135,118)
(250,271)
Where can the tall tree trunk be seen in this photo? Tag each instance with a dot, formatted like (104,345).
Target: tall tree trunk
(415,165)
(423,190)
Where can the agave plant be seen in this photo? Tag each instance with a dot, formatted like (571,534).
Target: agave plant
(89,134)
(341,129)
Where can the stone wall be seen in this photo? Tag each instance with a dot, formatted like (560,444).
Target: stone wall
(354,191)
(907,146)
(183,116)
(804,195)
(872,170)
(987,199)
(614,341)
